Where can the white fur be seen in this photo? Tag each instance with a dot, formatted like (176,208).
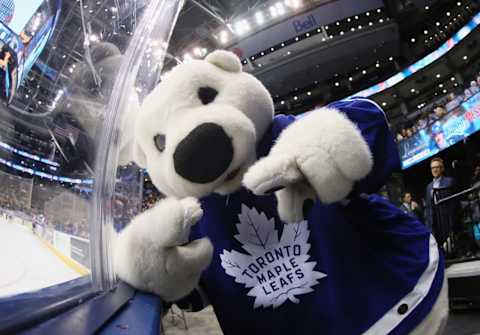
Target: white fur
(243,107)
(290,201)
(321,154)
(225,60)
(150,253)
(324,148)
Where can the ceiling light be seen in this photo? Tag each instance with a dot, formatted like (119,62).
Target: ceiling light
(350,78)
(223,37)
(412,90)
(367,13)
(384,104)
(282,102)
(309,93)
(465,57)
(273,11)
(259,18)
(197,52)
(438,75)
(412,40)
(364,71)
(337,83)
(280,8)
(448,13)
(440,85)
(295,98)
(445,91)
(242,27)
(452,79)
(427,8)
(293,3)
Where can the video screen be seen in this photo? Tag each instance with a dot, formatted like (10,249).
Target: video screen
(461,121)
(15,14)
(25,28)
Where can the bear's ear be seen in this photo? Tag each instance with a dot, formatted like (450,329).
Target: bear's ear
(225,60)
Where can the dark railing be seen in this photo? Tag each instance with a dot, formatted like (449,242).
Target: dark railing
(456,223)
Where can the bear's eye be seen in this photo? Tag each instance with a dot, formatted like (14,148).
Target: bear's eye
(159,140)
(207,94)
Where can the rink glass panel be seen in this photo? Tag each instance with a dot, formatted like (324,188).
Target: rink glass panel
(72,74)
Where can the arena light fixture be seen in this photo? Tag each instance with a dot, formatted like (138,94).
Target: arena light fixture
(223,37)
(260,19)
(280,8)
(273,11)
(242,27)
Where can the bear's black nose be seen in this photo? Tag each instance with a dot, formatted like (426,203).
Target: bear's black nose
(204,154)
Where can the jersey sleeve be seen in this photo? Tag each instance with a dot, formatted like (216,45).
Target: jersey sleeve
(372,123)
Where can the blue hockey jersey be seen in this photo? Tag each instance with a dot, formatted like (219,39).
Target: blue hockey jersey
(364,267)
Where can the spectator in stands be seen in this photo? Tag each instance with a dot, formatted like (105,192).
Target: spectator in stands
(410,206)
(453,102)
(467,93)
(476,174)
(422,122)
(439,111)
(474,89)
(445,186)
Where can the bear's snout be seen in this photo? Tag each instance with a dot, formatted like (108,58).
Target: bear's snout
(204,154)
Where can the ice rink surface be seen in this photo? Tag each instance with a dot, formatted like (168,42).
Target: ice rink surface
(27,264)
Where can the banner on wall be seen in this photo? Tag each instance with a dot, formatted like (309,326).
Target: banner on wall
(451,129)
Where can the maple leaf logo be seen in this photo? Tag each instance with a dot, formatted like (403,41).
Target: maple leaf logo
(276,269)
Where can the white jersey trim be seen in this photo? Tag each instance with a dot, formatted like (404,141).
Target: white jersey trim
(393,318)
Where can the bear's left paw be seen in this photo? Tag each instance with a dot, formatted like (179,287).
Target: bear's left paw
(323,149)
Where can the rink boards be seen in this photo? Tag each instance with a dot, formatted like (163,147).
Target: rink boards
(29,263)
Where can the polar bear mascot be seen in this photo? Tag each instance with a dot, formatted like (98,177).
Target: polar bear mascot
(274,219)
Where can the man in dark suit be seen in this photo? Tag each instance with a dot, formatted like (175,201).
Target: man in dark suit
(440,219)
(410,206)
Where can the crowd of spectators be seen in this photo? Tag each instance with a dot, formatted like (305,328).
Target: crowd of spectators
(440,108)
